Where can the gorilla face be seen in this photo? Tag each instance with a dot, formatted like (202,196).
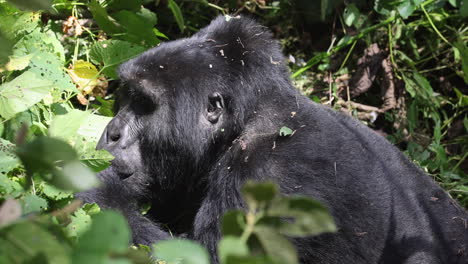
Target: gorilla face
(169,126)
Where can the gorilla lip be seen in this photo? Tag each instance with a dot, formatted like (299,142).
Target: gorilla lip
(122,170)
(125,175)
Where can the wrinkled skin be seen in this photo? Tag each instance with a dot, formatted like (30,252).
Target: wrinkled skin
(200,116)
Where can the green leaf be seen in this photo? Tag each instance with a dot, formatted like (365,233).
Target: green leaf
(32,4)
(75,176)
(116,5)
(39,42)
(66,126)
(454,3)
(53,193)
(147,15)
(111,53)
(259,193)
(109,233)
(104,21)
(53,156)
(384,7)
(91,208)
(177,14)
(231,246)
(32,203)
(16,24)
(233,223)
(277,247)
(80,222)
(8,159)
(137,29)
(18,63)
(351,14)
(50,68)
(406,8)
(6,48)
(285,131)
(34,241)
(181,251)
(10,187)
(310,217)
(82,130)
(21,93)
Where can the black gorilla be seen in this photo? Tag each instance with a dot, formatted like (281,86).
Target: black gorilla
(200,116)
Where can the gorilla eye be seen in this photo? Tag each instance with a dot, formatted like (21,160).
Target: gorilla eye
(141,104)
(215,101)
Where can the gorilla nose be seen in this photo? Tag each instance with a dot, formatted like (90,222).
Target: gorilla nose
(109,136)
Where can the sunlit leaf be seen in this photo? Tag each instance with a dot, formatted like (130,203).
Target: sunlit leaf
(21,93)
(182,251)
(33,203)
(111,53)
(351,14)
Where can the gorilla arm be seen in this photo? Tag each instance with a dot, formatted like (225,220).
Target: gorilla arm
(113,194)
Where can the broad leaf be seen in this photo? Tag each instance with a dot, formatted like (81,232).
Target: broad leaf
(276,246)
(21,93)
(231,246)
(351,14)
(50,156)
(33,203)
(34,241)
(111,53)
(308,217)
(259,193)
(108,234)
(181,251)
(8,159)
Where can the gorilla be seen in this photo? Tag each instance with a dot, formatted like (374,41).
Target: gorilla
(198,117)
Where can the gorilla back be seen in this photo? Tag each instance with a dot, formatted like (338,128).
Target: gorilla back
(200,116)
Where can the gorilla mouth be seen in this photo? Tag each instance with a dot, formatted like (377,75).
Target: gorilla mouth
(123,171)
(125,175)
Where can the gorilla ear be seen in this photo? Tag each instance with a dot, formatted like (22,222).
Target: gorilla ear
(216,107)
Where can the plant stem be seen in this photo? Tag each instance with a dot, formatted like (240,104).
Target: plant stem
(433,26)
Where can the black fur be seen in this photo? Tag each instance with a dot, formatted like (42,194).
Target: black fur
(200,116)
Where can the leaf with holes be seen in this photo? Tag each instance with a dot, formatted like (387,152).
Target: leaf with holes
(8,159)
(111,53)
(33,203)
(21,93)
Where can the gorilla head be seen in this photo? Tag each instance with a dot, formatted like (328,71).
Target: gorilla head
(200,116)
(184,102)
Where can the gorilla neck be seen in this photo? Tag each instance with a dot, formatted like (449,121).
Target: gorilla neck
(262,123)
